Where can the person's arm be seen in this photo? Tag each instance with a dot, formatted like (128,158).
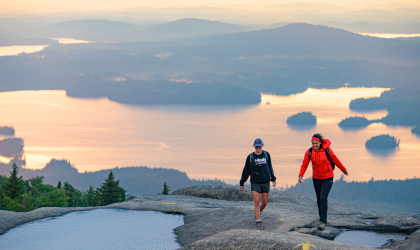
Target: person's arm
(337,162)
(272,177)
(305,164)
(246,172)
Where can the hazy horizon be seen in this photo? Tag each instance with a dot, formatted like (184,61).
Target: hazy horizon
(330,13)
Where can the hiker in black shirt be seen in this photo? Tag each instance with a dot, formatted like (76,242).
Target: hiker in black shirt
(258,165)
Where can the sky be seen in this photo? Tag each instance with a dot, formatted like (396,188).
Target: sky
(372,16)
(58,6)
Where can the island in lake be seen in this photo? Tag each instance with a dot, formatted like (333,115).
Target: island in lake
(416,130)
(143,92)
(9,131)
(354,122)
(382,142)
(165,92)
(401,103)
(303,118)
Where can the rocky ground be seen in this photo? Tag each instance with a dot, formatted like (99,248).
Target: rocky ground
(223,218)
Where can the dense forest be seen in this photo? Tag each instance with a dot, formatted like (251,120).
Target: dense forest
(133,91)
(403,105)
(9,131)
(416,130)
(354,122)
(163,92)
(382,141)
(19,195)
(267,83)
(387,196)
(303,118)
(10,147)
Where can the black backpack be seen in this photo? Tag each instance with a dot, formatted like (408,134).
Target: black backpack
(327,152)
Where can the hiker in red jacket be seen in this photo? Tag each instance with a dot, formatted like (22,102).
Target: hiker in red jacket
(323,160)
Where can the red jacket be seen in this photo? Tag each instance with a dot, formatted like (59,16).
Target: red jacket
(321,167)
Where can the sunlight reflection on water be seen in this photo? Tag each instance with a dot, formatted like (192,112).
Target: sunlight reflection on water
(17,49)
(390,35)
(70,40)
(203,141)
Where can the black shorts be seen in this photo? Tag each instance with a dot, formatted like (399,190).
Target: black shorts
(261,188)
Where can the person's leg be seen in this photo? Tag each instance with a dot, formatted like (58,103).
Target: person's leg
(318,186)
(264,200)
(325,190)
(257,211)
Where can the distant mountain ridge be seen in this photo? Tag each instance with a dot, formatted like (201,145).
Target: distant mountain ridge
(98,25)
(307,40)
(136,180)
(317,56)
(105,30)
(190,27)
(92,30)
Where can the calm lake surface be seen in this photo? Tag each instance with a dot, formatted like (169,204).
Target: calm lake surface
(70,40)
(203,141)
(17,49)
(97,229)
(367,238)
(390,35)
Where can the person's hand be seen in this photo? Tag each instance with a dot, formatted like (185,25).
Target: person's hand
(242,188)
(346,173)
(274,183)
(300,179)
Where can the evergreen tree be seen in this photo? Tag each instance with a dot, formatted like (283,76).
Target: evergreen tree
(59,185)
(73,195)
(1,199)
(110,191)
(14,184)
(90,197)
(165,189)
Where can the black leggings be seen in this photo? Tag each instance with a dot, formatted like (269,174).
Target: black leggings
(322,189)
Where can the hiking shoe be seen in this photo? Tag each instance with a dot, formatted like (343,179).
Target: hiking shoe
(321,226)
(259,225)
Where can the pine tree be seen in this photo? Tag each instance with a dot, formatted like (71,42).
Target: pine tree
(90,196)
(110,191)
(59,185)
(1,199)
(165,189)
(14,184)
(73,195)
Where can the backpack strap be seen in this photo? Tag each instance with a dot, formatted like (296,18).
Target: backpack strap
(251,158)
(327,151)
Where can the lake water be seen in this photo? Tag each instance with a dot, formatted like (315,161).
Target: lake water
(367,238)
(97,229)
(203,141)
(70,41)
(17,49)
(390,35)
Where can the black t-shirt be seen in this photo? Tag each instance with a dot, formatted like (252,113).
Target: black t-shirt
(260,169)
